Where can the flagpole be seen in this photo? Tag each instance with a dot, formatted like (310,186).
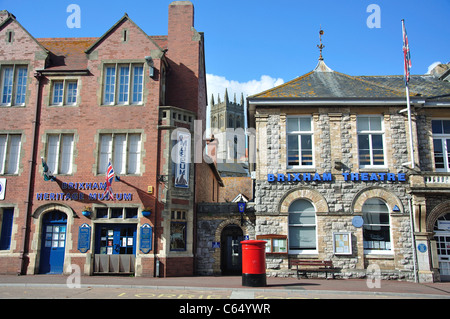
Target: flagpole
(407,63)
(411,140)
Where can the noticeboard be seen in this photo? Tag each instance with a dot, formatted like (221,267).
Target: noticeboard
(145,244)
(342,243)
(84,238)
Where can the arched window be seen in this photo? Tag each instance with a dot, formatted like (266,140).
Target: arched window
(230,122)
(302,226)
(376,229)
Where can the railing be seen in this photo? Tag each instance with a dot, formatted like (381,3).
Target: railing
(437,179)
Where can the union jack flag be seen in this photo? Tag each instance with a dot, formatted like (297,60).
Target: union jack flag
(109,180)
(406,54)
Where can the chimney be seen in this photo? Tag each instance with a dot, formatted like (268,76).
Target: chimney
(181,19)
(4,15)
(440,69)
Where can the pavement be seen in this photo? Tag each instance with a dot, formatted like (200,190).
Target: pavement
(338,287)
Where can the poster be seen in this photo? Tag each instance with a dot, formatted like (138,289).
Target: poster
(342,243)
(183,157)
(2,188)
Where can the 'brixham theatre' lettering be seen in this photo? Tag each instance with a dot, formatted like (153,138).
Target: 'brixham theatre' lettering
(328,177)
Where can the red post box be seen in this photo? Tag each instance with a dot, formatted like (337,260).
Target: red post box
(253,263)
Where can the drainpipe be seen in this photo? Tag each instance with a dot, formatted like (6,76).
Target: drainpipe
(156,264)
(30,189)
(413,242)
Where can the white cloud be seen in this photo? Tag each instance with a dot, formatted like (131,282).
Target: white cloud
(216,85)
(432,66)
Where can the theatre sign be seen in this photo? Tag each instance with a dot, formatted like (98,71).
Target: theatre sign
(328,177)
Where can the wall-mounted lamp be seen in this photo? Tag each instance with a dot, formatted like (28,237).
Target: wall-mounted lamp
(163,178)
(338,164)
(151,66)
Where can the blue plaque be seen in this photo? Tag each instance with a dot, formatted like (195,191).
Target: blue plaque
(357,221)
(84,238)
(422,248)
(146,238)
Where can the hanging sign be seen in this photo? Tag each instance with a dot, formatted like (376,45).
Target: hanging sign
(145,244)
(2,188)
(182,160)
(84,238)
(444,224)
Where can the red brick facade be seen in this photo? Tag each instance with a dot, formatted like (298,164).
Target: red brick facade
(133,123)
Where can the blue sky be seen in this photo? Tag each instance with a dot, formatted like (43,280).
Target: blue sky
(252,45)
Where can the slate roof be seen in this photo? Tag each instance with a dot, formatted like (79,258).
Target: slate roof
(67,53)
(70,54)
(324,83)
(427,86)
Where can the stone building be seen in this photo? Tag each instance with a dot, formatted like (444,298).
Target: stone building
(333,180)
(71,106)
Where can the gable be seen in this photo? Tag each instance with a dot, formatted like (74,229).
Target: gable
(123,40)
(18,44)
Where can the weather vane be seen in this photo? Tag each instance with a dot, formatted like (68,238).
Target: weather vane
(321,46)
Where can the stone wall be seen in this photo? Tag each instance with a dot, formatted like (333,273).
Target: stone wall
(337,201)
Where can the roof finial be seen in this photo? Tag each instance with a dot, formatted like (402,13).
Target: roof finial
(321,46)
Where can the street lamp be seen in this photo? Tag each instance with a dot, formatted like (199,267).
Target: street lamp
(241,209)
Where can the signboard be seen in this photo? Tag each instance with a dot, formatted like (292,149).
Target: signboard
(2,188)
(328,177)
(444,224)
(342,243)
(145,244)
(84,238)
(182,160)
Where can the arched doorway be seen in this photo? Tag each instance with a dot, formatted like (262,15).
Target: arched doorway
(442,237)
(53,243)
(231,251)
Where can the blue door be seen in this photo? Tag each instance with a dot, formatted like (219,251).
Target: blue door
(53,246)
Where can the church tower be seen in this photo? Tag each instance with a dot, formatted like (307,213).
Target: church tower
(228,130)
(227,114)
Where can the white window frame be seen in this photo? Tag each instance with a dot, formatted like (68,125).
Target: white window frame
(56,164)
(442,137)
(116,85)
(122,165)
(6,155)
(299,134)
(371,132)
(18,90)
(303,251)
(389,251)
(65,92)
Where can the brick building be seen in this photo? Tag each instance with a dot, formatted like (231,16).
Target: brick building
(77,104)
(333,180)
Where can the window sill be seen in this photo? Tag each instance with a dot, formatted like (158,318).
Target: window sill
(371,254)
